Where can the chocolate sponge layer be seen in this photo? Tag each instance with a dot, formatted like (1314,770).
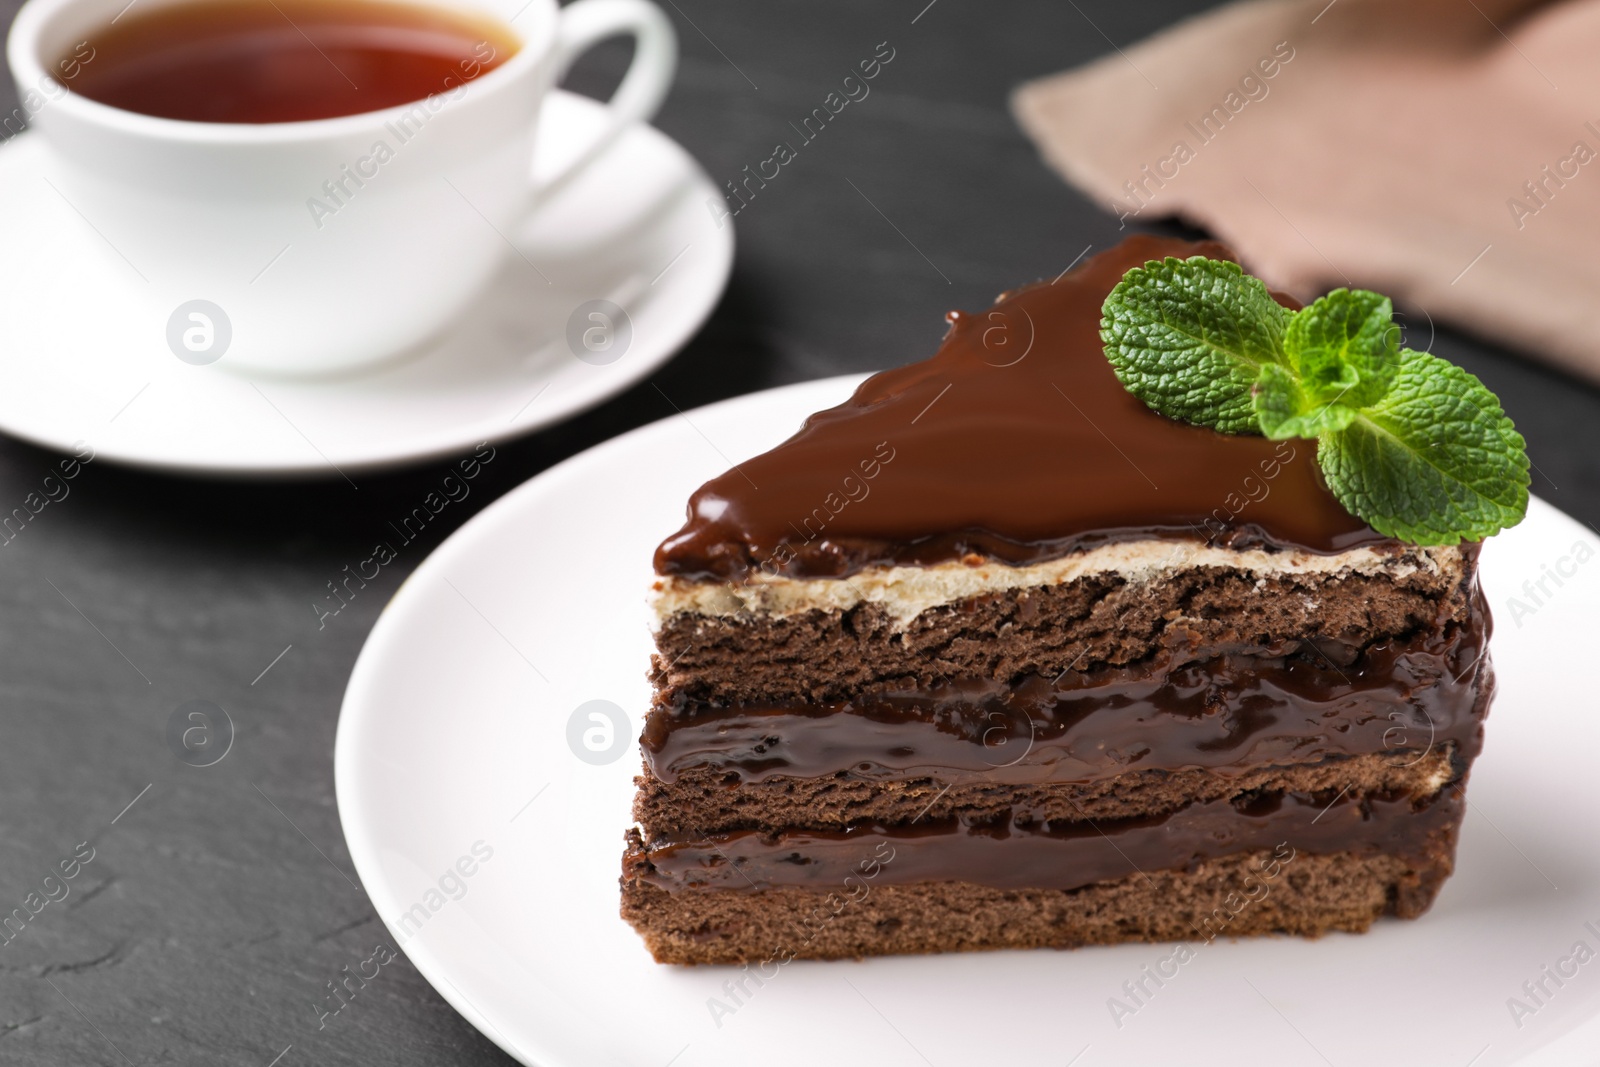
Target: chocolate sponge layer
(1083,624)
(701,804)
(1271,891)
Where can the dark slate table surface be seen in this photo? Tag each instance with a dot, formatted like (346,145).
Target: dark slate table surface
(218,907)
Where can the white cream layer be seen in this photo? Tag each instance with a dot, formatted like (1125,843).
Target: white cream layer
(906,592)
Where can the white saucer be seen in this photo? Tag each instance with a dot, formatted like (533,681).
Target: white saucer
(454,731)
(77,363)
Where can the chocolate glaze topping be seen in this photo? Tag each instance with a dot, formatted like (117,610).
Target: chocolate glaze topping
(1016,442)
(1010,855)
(1298,703)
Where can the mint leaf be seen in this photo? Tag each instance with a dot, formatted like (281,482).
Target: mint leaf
(1284,407)
(1189,338)
(1414,446)
(1433,462)
(1345,347)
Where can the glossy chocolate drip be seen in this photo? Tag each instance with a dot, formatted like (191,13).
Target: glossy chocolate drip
(1294,704)
(1015,441)
(1008,856)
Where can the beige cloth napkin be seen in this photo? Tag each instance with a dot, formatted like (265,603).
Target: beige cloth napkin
(1445,152)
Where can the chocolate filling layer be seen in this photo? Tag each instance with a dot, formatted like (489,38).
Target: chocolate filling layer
(1004,855)
(1298,702)
(1016,442)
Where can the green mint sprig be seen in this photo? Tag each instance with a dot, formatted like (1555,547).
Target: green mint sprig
(1409,443)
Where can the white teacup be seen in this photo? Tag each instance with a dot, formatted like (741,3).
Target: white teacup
(220,223)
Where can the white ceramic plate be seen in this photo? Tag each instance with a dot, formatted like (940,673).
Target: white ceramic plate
(454,733)
(82,359)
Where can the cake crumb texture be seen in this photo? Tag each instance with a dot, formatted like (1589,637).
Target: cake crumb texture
(1264,892)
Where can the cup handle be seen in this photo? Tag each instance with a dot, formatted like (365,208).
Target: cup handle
(655,59)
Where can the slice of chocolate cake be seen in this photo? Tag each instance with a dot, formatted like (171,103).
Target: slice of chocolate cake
(992,655)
